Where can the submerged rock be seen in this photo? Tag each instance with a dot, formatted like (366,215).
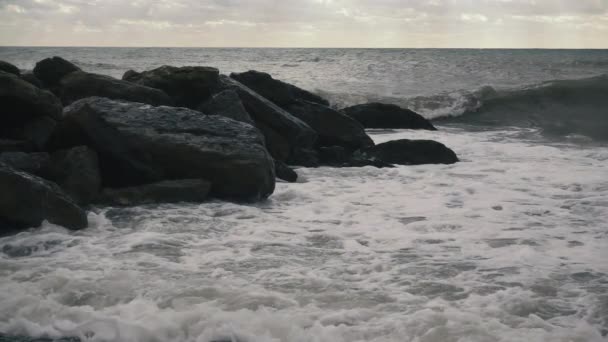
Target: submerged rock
(410,152)
(139,144)
(174,191)
(9,68)
(284,172)
(27,200)
(188,86)
(380,115)
(51,70)
(228,104)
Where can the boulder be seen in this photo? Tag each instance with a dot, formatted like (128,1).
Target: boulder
(338,156)
(277,144)
(38,131)
(188,86)
(410,152)
(9,68)
(12,145)
(27,200)
(228,104)
(79,84)
(76,171)
(174,191)
(333,128)
(30,78)
(380,115)
(284,172)
(304,157)
(51,70)
(27,162)
(266,114)
(279,92)
(139,144)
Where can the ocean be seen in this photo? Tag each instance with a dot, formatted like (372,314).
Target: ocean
(510,244)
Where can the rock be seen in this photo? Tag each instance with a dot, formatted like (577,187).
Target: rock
(266,114)
(334,155)
(21,101)
(333,128)
(380,115)
(277,145)
(139,144)
(284,172)
(188,86)
(279,92)
(411,152)
(27,200)
(9,68)
(228,104)
(304,157)
(27,162)
(38,131)
(51,70)
(10,145)
(30,78)
(76,171)
(175,191)
(79,84)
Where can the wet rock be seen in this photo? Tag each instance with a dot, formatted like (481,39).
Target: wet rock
(304,157)
(333,128)
(9,68)
(11,145)
(188,86)
(27,200)
(51,70)
(139,144)
(27,162)
(38,131)
(380,115)
(30,78)
(175,191)
(279,92)
(228,104)
(284,172)
(76,171)
(411,152)
(79,84)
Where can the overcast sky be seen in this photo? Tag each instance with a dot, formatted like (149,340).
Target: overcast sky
(307,23)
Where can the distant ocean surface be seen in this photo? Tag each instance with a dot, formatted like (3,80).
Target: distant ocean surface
(511,244)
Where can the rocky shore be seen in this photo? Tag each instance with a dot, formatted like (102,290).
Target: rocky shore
(70,139)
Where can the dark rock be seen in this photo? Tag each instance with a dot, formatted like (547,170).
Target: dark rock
(30,78)
(334,155)
(51,70)
(333,128)
(175,191)
(10,145)
(265,113)
(380,115)
(277,144)
(21,101)
(304,157)
(27,200)
(76,171)
(139,144)
(188,86)
(284,172)
(9,68)
(27,162)
(226,103)
(279,92)
(78,85)
(411,152)
(39,130)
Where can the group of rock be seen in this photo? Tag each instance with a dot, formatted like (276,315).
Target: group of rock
(70,139)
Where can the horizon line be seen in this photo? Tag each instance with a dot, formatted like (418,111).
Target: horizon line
(298,47)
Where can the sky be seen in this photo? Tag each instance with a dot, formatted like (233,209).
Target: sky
(306,23)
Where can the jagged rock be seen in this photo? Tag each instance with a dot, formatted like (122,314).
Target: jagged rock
(380,115)
(27,200)
(29,77)
(38,131)
(27,162)
(76,171)
(175,191)
(333,128)
(139,144)
(79,84)
(411,152)
(228,104)
(284,172)
(9,68)
(279,92)
(51,70)
(188,86)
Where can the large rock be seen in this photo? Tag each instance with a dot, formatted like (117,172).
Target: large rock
(26,201)
(380,115)
(9,68)
(333,128)
(188,86)
(12,145)
(268,116)
(76,171)
(27,162)
(38,131)
(228,104)
(29,77)
(139,144)
(284,172)
(175,191)
(51,70)
(79,84)
(279,92)
(410,152)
